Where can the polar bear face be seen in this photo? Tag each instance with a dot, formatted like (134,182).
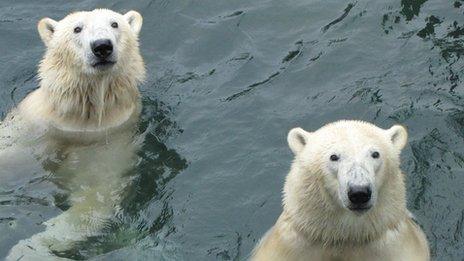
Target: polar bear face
(92,42)
(353,158)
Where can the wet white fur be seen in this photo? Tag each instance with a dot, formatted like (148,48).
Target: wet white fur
(317,225)
(75,96)
(86,116)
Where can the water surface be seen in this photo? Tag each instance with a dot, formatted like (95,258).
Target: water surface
(226,81)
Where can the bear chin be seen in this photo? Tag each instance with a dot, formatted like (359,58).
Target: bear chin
(103,65)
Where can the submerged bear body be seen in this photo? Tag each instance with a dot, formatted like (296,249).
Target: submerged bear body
(79,124)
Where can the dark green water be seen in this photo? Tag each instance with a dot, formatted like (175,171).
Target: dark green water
(226,81)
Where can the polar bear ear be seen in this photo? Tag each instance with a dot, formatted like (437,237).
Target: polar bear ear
(135,21)
(297,139)
(398,136)
(46,28)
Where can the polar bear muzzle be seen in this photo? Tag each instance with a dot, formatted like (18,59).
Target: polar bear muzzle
(360,197)
(356,187)
(102,50)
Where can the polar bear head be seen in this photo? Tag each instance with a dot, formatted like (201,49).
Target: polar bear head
(92,42)
(350,162)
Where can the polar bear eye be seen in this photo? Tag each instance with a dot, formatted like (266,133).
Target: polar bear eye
(375,155)
(77,29)
(334,157)
(114,25)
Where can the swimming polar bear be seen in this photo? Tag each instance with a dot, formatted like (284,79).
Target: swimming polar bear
(344,198)
(79,124)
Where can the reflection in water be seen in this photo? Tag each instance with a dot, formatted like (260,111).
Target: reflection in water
(104,205)
(155,166)
(411,8)
(339,19)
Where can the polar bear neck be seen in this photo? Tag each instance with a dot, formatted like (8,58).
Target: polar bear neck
(315,215)
(97,101)
(93,101)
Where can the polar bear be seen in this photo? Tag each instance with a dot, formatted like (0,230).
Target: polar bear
(344,198)
(89,73)
(79,124)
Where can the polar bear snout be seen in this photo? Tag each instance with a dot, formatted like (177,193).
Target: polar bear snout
(359,197)
(357,190)
(102,48)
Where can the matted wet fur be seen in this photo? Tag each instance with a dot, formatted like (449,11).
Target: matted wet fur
(318,222)
(84,113)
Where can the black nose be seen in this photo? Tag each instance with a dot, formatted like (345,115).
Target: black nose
(102,48)
(359,195)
